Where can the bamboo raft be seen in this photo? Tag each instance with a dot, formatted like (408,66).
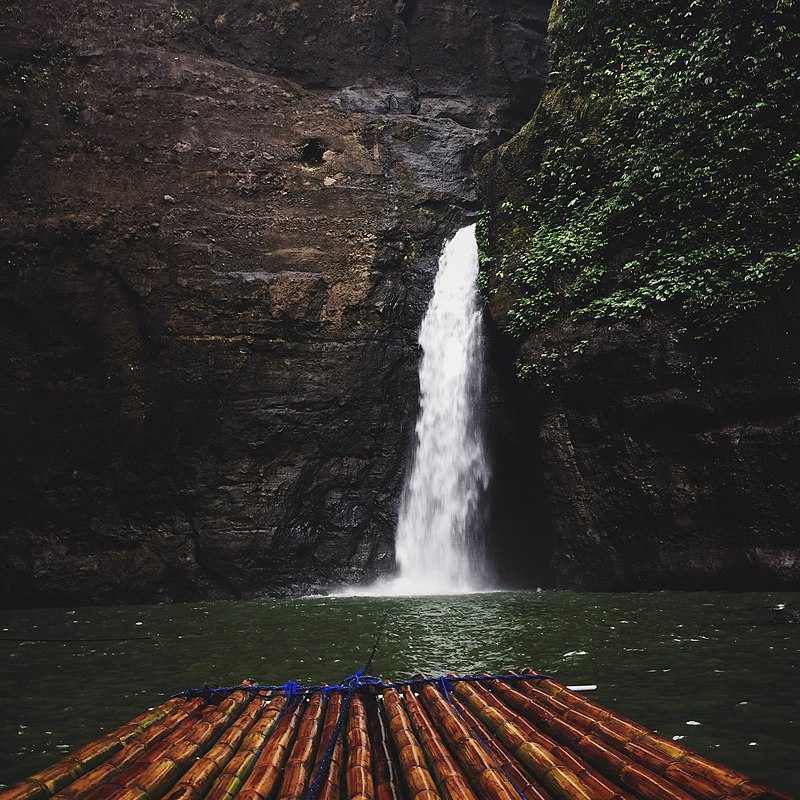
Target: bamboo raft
(517,735)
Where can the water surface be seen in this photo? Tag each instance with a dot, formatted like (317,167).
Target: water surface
(665,659)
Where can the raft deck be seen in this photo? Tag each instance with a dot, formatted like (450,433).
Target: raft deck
(517,735)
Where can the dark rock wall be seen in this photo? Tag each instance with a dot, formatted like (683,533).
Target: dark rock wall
(218,224)
(659,456)
(659,465)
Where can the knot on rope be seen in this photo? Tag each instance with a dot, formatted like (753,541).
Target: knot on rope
(291,688)
(355,681)
(369,680)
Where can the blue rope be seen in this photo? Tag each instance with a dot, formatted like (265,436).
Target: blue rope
(348,687)
(324,764)
(354,681)
(444,686)
(290,688)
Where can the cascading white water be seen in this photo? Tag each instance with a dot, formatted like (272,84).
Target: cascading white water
(438,547)
(438,538)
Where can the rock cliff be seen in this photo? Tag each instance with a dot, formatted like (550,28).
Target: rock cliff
(640,264)
(219,224)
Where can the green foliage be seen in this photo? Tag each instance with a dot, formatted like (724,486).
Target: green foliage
(37,67)
(542,367)
(178,13)
(70,111)
(484,261)
(669,163)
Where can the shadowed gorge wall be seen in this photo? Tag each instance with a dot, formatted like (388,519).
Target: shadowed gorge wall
(640,265)
(219,223)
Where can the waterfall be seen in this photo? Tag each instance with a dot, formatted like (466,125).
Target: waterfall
(438,543)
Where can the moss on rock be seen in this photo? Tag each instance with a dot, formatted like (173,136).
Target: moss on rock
(661,168)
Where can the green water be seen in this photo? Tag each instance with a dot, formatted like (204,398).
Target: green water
(664,659)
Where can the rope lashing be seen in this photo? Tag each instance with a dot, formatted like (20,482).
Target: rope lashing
(322,768)
(290,688)
(443,685)
(350,685)
(355,681)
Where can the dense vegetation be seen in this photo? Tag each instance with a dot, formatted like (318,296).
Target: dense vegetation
(662,166)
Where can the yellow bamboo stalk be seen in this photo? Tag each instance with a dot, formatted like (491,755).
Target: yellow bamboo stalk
(47,782)
(199,776)
(182,716)
(420,782)
(157,769)
(452,784)
(599,786)
(471,754)
(683,766)
(496,736)
(529,788)
(110,792)
(559,780)
(230,780)
(298,767)
(635,777)
(267,768)
(332,780)
(358,773)
(386,773)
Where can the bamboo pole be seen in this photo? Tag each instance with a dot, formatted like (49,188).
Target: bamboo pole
(389,784)
(600,787)
(298,768)
(331,782)
(494,739)
(618,733)
(677,762)
(451,782)
(48,781)
(561,781)
(420,782)
(529,788)
(638,779)
(477,763)
(358,773)
(230,780)
(266,770)
(197,779)
(157,769)
(181,715)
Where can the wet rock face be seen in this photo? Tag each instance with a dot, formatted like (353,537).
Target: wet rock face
(219,224)
(658,461)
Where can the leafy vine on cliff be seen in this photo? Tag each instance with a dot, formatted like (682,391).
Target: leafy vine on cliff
(663,163)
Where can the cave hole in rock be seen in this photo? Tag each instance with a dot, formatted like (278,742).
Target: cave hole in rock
(312,153)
